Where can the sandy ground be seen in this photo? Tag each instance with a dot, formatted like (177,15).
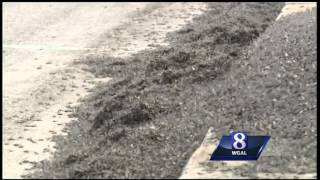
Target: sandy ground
(198,163)
(41,40)
(295,7)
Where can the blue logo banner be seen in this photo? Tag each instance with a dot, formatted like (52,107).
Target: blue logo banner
(240,147)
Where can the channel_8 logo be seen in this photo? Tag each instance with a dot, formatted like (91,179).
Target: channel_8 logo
(239,141)
(240,146)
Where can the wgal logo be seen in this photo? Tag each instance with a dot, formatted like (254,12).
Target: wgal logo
(240,146)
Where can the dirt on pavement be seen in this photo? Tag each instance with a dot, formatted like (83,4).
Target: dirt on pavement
(231,68)
(148,120)
(41,85)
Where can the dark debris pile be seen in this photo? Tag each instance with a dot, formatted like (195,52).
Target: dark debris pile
(217,72)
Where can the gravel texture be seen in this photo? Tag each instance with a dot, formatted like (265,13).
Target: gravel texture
(273,91)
